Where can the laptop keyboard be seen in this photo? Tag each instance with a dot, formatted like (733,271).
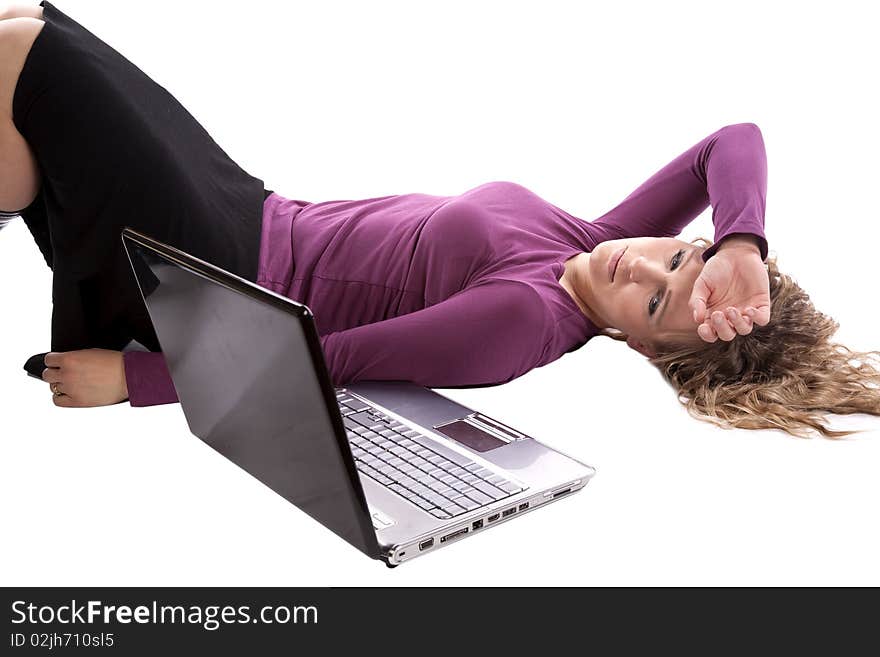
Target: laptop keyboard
(441,481)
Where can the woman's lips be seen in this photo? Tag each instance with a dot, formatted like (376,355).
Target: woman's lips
(613,262)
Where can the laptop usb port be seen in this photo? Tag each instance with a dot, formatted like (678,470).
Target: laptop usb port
(454,535)
(478,524)
(508,512)
(424,545)
(523,506)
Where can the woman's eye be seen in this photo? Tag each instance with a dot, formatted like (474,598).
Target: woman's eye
(653,303)
(677,258)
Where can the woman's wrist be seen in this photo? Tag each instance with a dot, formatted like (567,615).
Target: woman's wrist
(124,387)
(744,241)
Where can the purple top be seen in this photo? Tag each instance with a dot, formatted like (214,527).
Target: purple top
(464,290)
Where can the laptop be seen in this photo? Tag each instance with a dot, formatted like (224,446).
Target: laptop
(394,468)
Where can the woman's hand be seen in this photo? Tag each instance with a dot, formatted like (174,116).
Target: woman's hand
(88,377)
(733,291)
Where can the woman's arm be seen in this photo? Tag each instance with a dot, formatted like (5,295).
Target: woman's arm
(727,170)
(147,379)
(486,334)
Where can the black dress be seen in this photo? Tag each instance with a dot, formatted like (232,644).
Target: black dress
(115,149)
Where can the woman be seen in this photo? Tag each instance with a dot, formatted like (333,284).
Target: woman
(445,291)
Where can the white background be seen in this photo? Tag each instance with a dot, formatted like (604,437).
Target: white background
(580,103)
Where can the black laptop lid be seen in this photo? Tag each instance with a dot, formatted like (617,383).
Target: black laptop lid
(250,375)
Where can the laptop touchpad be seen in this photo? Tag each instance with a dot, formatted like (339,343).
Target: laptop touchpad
(470,436)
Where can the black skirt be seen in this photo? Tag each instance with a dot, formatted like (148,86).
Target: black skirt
(115,149)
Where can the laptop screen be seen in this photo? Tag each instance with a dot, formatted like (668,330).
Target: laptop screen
(248,376)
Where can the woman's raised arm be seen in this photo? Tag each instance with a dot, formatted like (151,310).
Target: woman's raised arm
(726,169)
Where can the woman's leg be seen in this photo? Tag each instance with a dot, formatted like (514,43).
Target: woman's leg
(19,174)
(116,149)
(17,10)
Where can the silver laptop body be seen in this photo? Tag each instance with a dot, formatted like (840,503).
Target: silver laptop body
(394,468)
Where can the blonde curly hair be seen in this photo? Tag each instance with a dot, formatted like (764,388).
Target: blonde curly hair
(786,375)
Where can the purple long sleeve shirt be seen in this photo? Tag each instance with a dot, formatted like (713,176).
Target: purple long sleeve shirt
(451,291)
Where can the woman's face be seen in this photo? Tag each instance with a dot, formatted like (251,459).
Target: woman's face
(642,286)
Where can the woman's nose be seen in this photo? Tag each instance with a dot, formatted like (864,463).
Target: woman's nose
(643,269)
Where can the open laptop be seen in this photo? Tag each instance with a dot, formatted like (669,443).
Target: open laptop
(392,467)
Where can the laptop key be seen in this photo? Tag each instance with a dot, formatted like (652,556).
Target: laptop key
(490,490)
(453,508)
(367,420)
(509,487)
(409,482)
(435,484)
(442,450)
(480,498)
(422,502)
(356,404)
(436,500)
(443,490)
(468,503)
(422,477)
(436,473)
(458,499)
(404,491)
(423,465)
(421,489)
(393,474)
(440,487)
